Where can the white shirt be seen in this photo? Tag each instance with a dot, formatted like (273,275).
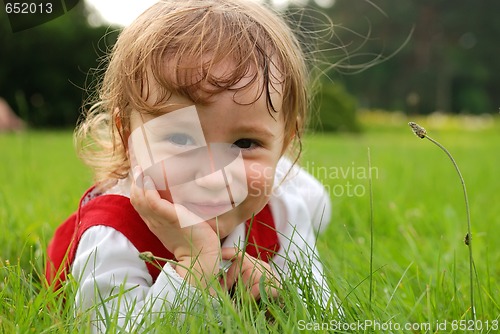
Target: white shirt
(107,262)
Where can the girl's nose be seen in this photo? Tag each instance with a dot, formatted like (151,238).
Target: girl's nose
(217,180)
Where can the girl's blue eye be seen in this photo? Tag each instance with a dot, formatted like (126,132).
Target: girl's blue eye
(246,144)
(180,139)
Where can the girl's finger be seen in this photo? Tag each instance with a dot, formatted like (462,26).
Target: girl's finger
(230,276)
(137,189)
(148,203)
(231,253)
(249,270)
(137,176)
(229,279)
(155,203)
(271,291)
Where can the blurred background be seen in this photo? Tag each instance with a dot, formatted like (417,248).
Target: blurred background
(381,64)
(405,56)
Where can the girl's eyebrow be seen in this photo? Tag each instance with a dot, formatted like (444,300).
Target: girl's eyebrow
(255,129)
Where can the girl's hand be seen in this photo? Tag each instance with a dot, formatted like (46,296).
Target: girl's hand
(250,270)
(196,247)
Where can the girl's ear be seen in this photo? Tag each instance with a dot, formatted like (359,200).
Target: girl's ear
(293,135)
(289,137)
(118,122)
(122,130)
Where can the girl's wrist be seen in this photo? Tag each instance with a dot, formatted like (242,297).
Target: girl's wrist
(199,270)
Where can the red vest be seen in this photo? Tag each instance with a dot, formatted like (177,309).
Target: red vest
(116,211)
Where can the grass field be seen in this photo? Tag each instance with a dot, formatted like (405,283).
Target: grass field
(420,261)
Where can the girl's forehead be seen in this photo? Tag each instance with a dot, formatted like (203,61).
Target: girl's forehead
(204,84)
(224,113)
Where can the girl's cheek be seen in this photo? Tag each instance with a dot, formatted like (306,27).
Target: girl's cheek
(260,179)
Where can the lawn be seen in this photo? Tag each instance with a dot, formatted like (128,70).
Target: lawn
(419,221)
(420,262)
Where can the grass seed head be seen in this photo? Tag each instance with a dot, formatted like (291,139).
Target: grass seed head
(147,256)
(467,239)
(418,130)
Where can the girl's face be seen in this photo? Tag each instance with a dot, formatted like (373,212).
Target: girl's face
(191,146)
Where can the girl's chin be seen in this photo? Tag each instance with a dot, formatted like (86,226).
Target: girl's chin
(224,225)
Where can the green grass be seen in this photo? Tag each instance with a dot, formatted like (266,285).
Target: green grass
(419,258)
(419,222)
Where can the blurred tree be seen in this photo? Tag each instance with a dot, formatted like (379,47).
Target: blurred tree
(448,63)
(336,110)
(44,71)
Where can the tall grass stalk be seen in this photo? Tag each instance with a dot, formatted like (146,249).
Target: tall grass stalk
(371,225)
(422,133)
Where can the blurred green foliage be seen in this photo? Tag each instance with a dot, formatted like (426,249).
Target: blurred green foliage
(336,110)
(415,56)
(45,71)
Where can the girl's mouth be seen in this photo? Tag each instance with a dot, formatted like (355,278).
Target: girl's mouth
(208,210)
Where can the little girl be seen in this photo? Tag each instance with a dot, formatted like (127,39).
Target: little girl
(200,101)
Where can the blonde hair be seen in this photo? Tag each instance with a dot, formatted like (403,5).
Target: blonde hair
(248,34)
